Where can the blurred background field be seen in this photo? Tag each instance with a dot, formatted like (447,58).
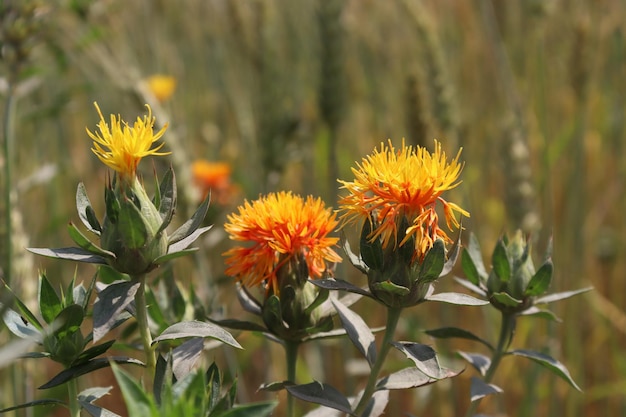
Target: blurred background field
(288,94)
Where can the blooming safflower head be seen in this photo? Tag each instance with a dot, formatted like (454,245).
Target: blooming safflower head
(133,237)
(393,185)
(121,146)
(279,228)
(288,243)
(395,195)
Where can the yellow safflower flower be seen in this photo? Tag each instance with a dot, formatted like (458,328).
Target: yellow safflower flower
(121,146)
(406,182)
(162,86)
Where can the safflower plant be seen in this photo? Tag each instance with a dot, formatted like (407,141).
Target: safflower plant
(283,262)
(133,242)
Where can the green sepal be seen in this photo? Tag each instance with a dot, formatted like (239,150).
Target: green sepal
(185,242)
(50,304)
(156,198)
(540,313)
(70,319)
(371,250)
(355,260)
(132,226)
(24,310)
(272,313)
(540,282)
(85,210)
(192,224)
(505,299)
(172,255)
(112,204)
(390,287)
(494,284)
(322,296)
(475,255)
(433,263)
(84,243)
(71,254)
(67,297)
(18,325)
(167,199)
(469,268)
(500,262)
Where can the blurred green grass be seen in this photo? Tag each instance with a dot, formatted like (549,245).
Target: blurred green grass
(476,74)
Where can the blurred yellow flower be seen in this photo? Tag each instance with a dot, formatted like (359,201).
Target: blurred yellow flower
(214,177)
(121,146)
(409,182)
(162,86)
(279,226)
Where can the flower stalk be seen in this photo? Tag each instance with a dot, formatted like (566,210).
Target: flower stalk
(144,330)
(72,392)
(507,330)
(393,316)
(291,351)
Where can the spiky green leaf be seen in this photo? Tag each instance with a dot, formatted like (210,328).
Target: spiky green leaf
(191,225)
(83,242)
(549,363)
(50,304)
(540,282)
(85,211)
(500,262)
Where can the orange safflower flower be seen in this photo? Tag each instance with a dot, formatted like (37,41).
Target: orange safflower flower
(279,226)
(408,182)
(121,146)
(213,177)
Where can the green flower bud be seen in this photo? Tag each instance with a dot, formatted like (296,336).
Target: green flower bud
(65,348)
(512,272)
(293,313)
(132,229)
(523,268)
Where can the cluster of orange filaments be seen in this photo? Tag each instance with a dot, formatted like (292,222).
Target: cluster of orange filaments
(121,146)
(391,184)
(278,227)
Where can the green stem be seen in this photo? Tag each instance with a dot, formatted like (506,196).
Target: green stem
(393,316)
(142,321)
(291,350)
(72,392)
(507,329)
(7,150)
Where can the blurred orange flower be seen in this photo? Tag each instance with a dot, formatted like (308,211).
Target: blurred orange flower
(409,182)
(279,227)
(162,86)
(214,177)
